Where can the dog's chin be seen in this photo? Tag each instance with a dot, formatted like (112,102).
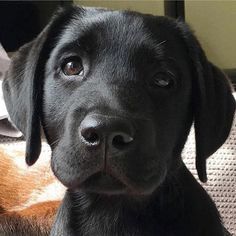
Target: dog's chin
(106,184)
(103,183)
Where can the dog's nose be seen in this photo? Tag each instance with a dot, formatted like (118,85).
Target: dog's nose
(116,133)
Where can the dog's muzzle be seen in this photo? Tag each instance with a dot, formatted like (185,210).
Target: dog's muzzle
(109,154)
(111,135)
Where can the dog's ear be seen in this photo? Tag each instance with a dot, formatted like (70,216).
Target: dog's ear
(22,94)
(23,83)
(213,102)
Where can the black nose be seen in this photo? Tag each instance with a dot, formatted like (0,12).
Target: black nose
(116,133)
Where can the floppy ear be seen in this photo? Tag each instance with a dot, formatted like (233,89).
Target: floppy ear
(23,83)
(213,102)
(22,94)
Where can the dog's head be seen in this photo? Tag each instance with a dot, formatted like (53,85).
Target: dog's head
(116,94)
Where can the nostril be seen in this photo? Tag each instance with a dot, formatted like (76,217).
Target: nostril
(121,140)
(90,135)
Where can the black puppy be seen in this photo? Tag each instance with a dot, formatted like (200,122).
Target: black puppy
(116,93)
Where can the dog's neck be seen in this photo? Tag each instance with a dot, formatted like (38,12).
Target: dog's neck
(130,215)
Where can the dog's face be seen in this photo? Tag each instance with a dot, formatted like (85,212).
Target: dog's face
(118,98)
(116,102)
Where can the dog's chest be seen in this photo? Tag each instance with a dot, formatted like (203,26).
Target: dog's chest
(124,225)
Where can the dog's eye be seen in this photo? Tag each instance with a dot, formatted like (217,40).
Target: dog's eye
(73,66)
(163,80)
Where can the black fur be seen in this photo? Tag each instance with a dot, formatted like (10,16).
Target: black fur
(147,190)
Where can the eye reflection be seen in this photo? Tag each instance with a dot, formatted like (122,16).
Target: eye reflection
(163,80)
(73,66)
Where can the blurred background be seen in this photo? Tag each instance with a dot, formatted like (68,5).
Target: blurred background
(214,22)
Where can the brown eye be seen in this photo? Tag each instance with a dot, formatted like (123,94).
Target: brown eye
(73,66)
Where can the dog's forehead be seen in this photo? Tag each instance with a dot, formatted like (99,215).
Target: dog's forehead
(103,28)
(135,42)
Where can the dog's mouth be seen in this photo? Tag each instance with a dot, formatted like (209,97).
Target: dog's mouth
(109,184)
(103,183)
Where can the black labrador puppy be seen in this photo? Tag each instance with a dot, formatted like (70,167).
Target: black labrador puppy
(116,93)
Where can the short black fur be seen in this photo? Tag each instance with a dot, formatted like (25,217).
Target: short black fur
(146,79)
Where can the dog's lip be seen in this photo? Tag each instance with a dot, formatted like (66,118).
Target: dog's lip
(102,182)
(108,183)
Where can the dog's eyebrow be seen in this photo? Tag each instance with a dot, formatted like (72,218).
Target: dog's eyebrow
(164,41)
(153,48)
(158,47)
(71,48)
